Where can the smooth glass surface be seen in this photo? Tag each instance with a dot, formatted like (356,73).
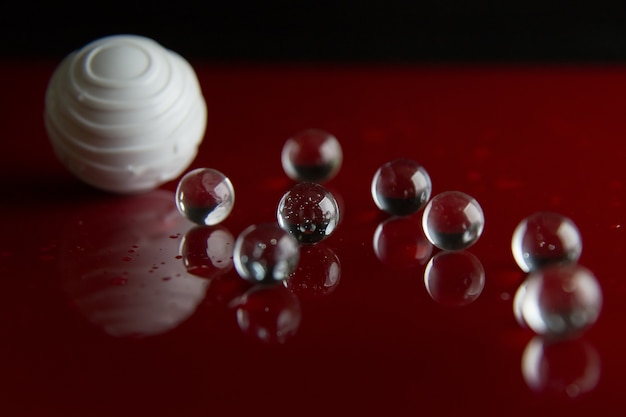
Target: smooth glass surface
(453,220)
(205,196)
(544,239)
(312,155)
(401,187)
(309,212)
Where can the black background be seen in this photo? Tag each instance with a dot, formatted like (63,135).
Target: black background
(339,31)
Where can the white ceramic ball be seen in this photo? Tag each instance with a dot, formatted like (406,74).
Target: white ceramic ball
(124,114)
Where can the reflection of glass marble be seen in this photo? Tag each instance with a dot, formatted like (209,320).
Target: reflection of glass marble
(271,314)
(399,242)
(208,251)
(121,266)
(318,272)
(570,367)
(454,279)
(560,301)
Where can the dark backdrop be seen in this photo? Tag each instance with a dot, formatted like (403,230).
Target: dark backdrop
(446,30)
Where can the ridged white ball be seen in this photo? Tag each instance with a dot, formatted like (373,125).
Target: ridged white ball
(124,114)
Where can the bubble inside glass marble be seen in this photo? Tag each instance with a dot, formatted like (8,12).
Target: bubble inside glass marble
(205,196)
(312,155)
(265,253)
(309,212)
(453,221)
(545,238)
(401,187)
(560,300)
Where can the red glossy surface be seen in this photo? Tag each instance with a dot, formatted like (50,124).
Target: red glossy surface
(99,317)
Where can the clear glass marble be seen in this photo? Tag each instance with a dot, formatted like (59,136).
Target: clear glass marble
(312,155)
(545,238)
(401,187)
(454,279)
(205,196)
(453,220)
(309,212)
(265,253)
(560,300)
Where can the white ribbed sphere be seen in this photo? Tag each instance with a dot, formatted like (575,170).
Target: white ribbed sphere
(125,114)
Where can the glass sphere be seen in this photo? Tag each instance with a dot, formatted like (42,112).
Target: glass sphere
(560,300)
(401,187)
(205,196)
(309,212)
(312,155)
(545,238)
(265,253)
(453,221)
(454,279)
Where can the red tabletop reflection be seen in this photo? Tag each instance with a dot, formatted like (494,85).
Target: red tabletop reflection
(118,306)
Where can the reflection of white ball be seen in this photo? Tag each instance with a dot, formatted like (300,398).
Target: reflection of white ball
(125,114)
(121,266)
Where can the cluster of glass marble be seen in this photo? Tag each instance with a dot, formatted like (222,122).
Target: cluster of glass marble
(307,213)
(452,220)
(559,298)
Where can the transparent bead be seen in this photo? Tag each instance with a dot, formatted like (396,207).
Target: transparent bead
(265,253)
(401,187)
(453,220)
(454,279)
(309,212)
(545,238)
(560,300)
(312,155)
(205,196)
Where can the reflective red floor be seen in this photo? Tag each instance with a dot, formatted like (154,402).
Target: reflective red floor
(117,306)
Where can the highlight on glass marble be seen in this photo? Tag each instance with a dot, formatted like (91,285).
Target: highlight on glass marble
(453,221)
(454,279)
(401,187)
(207,252)
(124,114)
(546,238)
(318,272)
(400,243)
(265,253)
(567,368)
(309,212)
(205,196)
(560,301)
(312,155)
(270,314)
